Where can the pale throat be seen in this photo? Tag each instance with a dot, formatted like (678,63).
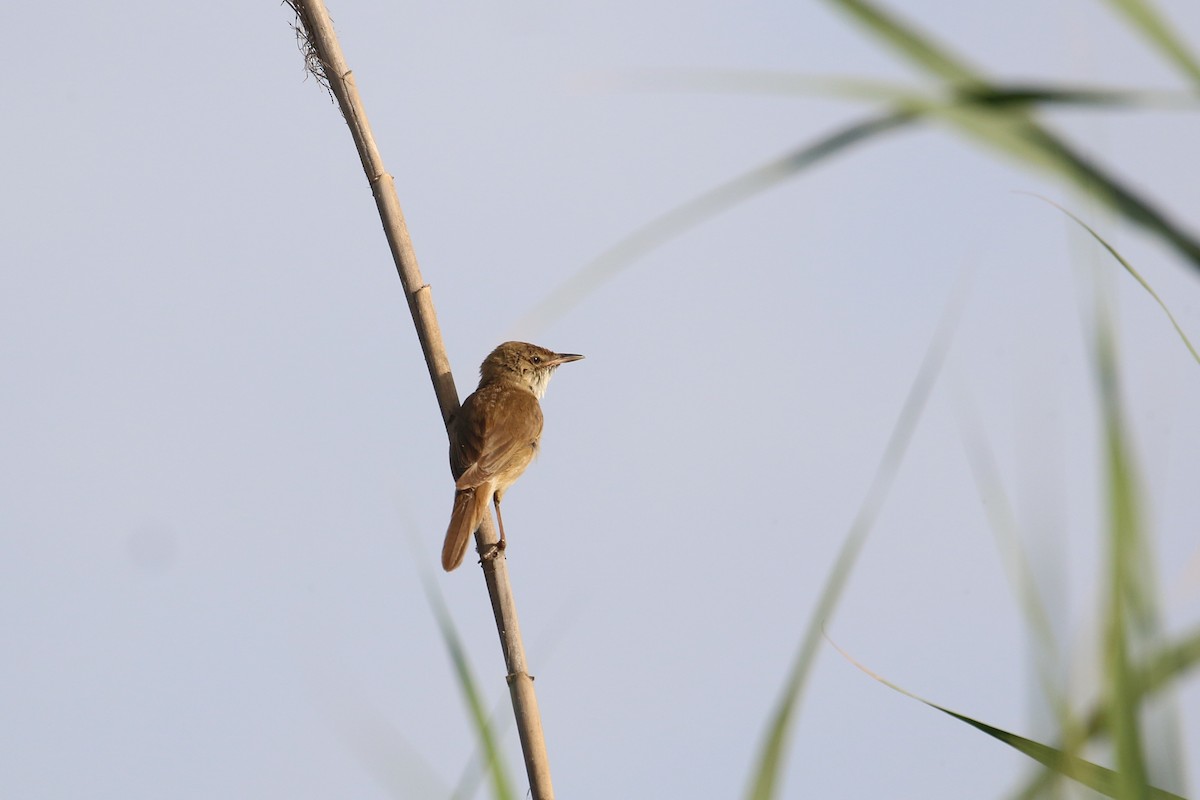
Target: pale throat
(538,380)
(535,380)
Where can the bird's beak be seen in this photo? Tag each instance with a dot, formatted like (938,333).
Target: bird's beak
(563,358)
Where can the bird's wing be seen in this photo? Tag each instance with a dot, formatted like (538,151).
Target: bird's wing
(495,426)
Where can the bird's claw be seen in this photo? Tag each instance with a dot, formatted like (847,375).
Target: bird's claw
(495,551)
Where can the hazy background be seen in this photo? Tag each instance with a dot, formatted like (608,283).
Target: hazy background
(224,472)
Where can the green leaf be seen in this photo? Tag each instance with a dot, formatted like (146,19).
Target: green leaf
(766,775)
(898,95)
(1094,776)
(1166,666)
(1015,131)
(1136,275)
(687,216)
(1017,565)
(1159,32)
(912,44)
(1128,616)
(502,787)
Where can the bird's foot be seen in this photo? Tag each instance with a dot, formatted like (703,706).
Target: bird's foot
(495,551)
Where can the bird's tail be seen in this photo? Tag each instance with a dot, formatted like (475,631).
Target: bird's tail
(470,506)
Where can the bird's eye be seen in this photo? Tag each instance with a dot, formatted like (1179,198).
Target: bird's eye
(536,359)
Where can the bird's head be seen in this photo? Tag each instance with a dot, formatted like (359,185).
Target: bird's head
(524,363)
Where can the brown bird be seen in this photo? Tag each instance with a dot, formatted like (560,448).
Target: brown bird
(494,436)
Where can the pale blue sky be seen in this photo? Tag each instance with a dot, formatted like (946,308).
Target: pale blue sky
(221,443)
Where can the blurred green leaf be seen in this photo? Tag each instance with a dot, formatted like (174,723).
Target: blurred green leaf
(1166,666)
(911,43)
(1031,94)
(993,115)
(1127,616)
(687,216)
(776,84)
(1017,566)
(1159,32)
(1098,778)
(765,777)
(1094,776)
(1015,131)
(1136,275)
(502,787)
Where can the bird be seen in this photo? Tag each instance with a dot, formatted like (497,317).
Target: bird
(494,436)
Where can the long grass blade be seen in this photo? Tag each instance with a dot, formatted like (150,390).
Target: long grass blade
(1127,601)
(1015,131)
(769,766)
(1017,566)
(1106,781)
(910,43)
(1026,95)
(993,115)
(687,216)
(1160,33)
(476,770)
(502,787)
(1136,275)
(790,84)
(1163,669)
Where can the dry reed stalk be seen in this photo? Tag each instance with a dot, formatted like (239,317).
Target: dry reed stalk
(324,57)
